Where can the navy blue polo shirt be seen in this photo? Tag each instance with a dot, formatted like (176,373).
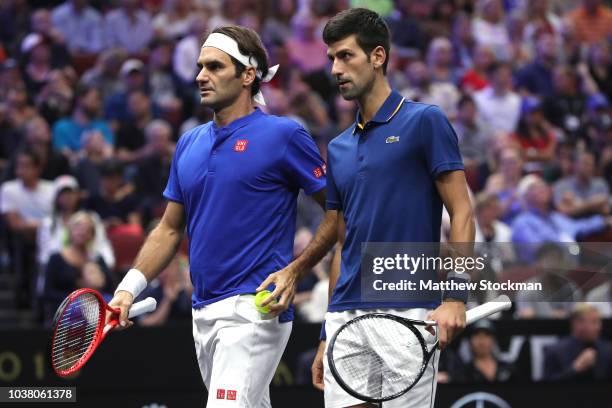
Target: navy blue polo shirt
(239,186)
(382,177)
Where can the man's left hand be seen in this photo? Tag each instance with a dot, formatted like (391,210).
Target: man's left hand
(450,317)
(285,282)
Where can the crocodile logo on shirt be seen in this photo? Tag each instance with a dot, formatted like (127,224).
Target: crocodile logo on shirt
(392,139)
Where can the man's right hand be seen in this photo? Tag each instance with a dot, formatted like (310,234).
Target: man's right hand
(122,300)
(317,367)
(585,360)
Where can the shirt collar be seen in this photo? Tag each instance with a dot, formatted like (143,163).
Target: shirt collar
(238,123)
(387,111)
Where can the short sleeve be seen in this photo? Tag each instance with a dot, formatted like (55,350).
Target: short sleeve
(439,141)
(303,162)
(173,190)
(7,200)
(332,201)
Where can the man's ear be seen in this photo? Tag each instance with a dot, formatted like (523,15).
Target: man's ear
(378,56)
(248,76)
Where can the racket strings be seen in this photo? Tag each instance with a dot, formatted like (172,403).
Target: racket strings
(77,329)
(378,357)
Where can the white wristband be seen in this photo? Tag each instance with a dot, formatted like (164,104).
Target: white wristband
(134,282)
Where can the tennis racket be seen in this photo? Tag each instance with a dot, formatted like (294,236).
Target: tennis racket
(379,356)
(78,328)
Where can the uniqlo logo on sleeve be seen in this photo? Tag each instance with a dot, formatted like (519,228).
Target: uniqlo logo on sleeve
(231,395)
(221,393)
(241,145)
(318,172)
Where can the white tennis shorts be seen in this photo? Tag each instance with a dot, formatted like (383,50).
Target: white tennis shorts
(422,395)
(238,350)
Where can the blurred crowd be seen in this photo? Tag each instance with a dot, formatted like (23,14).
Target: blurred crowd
(94,95)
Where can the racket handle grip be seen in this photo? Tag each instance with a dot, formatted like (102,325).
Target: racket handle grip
(144,306)
(480,312)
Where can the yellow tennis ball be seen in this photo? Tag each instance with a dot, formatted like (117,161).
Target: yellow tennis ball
(260,297)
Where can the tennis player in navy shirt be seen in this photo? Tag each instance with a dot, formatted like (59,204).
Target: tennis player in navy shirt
(233,186)
(388,176)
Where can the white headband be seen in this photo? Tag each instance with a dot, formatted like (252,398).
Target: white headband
(229,46)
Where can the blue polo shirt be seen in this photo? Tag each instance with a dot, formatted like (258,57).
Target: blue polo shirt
(239,186)
(382,177)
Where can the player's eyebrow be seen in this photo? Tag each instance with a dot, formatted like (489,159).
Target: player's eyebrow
(342,51)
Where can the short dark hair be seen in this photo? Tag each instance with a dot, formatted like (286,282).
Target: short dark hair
(249,44)
(370,29)
(26,151)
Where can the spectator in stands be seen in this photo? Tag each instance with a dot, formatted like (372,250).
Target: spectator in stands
(475,78)
(488,226)
(406,29)
(41,24)
(55,99)
(105,73)
(598,123)
(80,25)
(472,135)
(536,77)
(277,27)
(520,54)
(535,135)
(18,109)
(600,66)
(188,48)
(90,160)
(134,77)
(440,61)
(565,107)
(174,22)
(463,41)
(37,138)
(504,183)
(115,202)
(128,27)
(538,222)
(489,28)
(485,365)
(306,48)
(153,167)
(541,20)
(53,231)
(130,141)
(421,89)
(24,203)
(498,105)
(582,356)
(592,21)
(162,89)
(582,194)
(75,266)
(36,53)
(68,132)
(559,294)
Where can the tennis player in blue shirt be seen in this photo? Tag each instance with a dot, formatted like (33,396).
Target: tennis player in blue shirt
(233,185)
(388,176)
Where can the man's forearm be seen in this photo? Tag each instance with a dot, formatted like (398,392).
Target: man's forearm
(157,251)
(321,244)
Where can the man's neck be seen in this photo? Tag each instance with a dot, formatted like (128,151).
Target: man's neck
(81,117)
(243,106)
(30,184)
(371,102)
